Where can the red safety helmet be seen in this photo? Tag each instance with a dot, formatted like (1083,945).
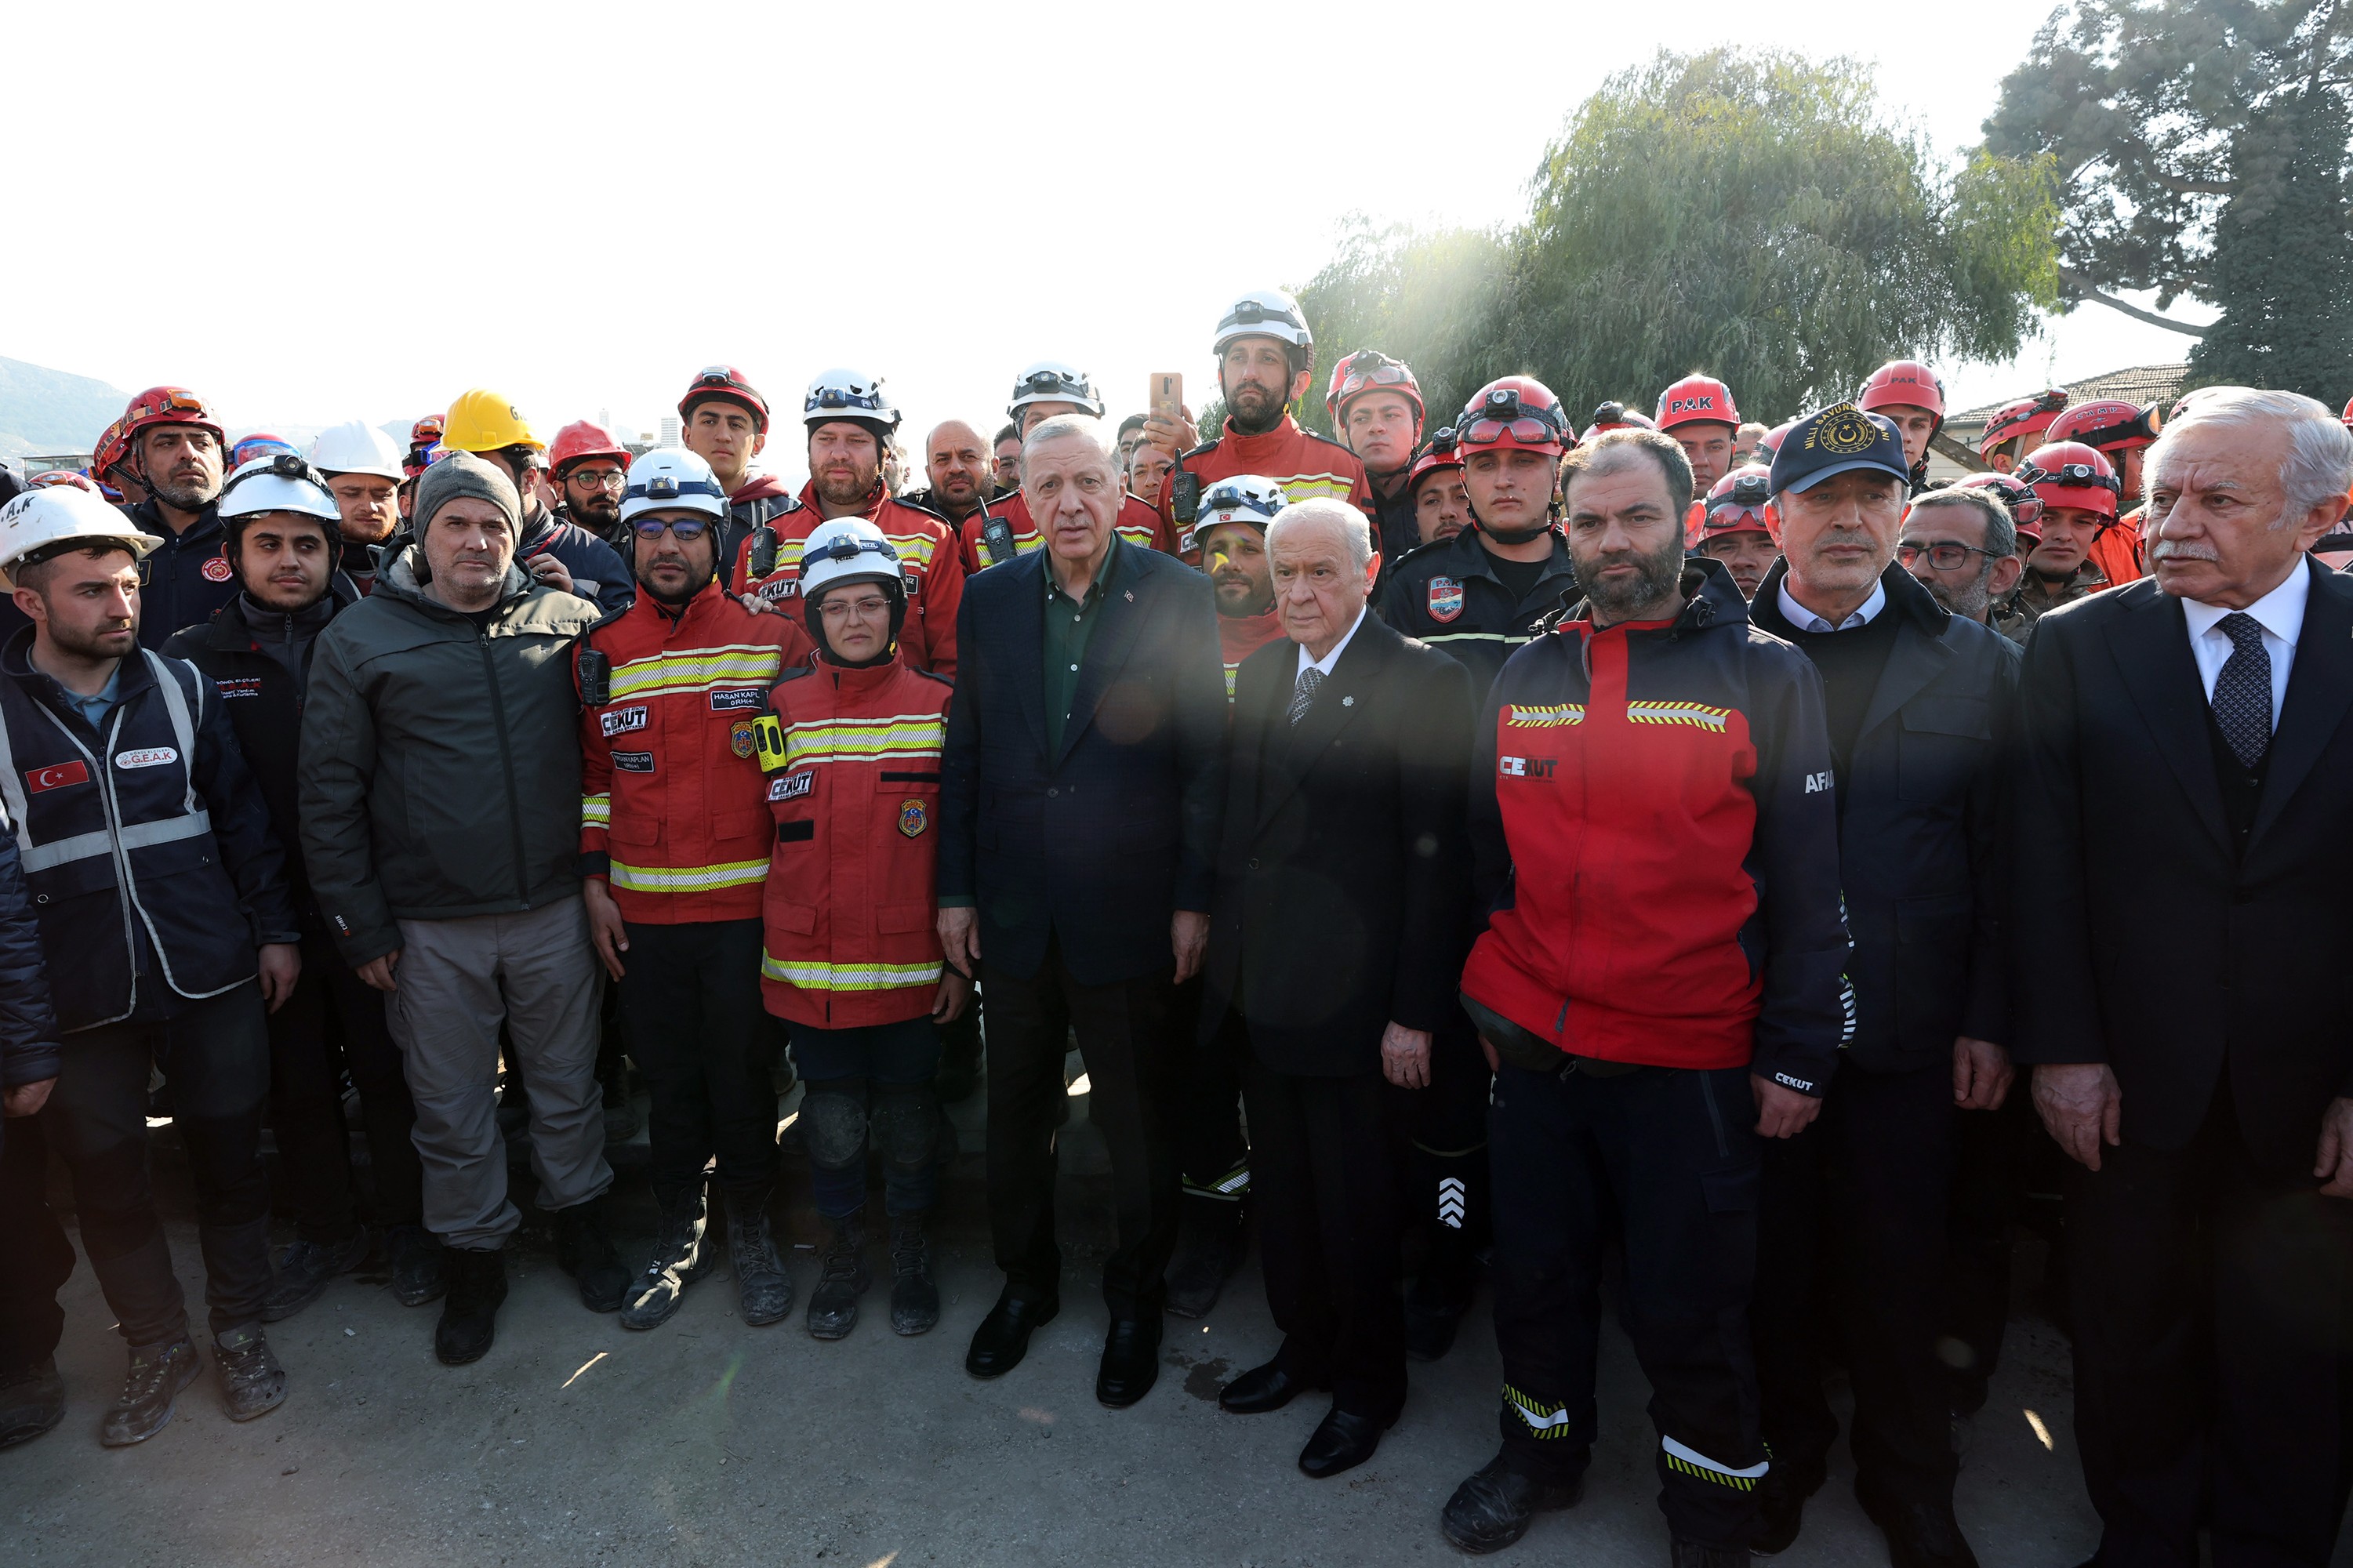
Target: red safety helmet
(1613,415)
(581,439)
(74,477)
(1900,382)
(726,383)
(113,450)
(2069,473)
(2025,505)
(2027,417)
(1440,452)
(1370,370)
(2348,413)
(427,431)
(167,406)
(1742,502)
(2108,424)
(1697,398)
(1515,413)
(1769,443)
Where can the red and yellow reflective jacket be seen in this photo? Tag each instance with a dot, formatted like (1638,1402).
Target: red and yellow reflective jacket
(1138,523)
(927,558)
(851,902)
(673,809)
(1304,464)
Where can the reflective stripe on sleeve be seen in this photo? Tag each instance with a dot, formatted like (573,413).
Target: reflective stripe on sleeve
(687,878)
(595,810)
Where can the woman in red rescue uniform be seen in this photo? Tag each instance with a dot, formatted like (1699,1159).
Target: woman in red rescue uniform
(852,960)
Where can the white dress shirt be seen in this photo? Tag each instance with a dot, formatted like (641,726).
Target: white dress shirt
(2281,615)
(1329,660)
(1805,620)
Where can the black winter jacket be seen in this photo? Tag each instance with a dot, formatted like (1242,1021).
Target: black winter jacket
(29,1023)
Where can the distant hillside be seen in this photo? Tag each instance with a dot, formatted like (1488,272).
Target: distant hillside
(43,410)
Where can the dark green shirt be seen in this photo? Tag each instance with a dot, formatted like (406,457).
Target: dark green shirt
(1069,624)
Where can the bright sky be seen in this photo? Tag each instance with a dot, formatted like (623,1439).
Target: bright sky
(314,211)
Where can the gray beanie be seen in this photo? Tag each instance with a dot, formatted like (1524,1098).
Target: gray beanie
(463,474)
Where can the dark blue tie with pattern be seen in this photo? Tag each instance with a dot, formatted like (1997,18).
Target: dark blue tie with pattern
(2243,692)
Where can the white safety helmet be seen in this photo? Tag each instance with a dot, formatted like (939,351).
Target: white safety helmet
(358,447)
(672,477)
(1265,313)
(1251,500)
(849,549)
(41,523)
(1051,381)
(278,481)
(851,396)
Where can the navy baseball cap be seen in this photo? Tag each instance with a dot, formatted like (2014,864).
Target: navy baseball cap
(1837,440)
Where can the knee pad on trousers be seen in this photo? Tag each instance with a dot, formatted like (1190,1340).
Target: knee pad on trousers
(833,1117)
(907,1124)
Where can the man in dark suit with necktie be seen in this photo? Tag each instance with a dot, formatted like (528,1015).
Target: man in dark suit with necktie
(1079,797)
(2182,915)
(1336,944)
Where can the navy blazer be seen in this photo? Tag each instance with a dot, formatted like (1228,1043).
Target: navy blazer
(2146,937)
(1095,848)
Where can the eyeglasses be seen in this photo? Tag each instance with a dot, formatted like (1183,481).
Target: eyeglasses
(1946,555)
(866,607)
(603,479)
(685,530)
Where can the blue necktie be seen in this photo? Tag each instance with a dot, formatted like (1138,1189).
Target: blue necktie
(2243,692)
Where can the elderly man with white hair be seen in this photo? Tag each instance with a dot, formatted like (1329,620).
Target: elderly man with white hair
(1079,800)
(2180,920)
(1336,940)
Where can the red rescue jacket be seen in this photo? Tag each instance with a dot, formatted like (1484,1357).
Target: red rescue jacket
(673,810)
(927,558)
(1304,464)
(1138,523)
(850,903)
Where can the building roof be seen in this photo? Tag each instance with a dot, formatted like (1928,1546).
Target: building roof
(2134,384)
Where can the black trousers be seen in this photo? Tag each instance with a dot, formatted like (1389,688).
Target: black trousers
(1447,1186)
(1329,1153)
(1852,1222)
(1132,1073)
(1210,1146)
(336,1020)
(1667,1154)
(1991,1151)
(2214,1316)
(705,1045)
(216,1055)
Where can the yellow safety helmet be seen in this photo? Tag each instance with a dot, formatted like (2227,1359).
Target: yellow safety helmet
(484,421)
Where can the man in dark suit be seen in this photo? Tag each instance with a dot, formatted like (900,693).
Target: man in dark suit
(2181,919)
(1336,940)
(1853,1210)
(1079,800)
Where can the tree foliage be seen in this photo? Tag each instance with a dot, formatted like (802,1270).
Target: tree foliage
(2148,107)
(2286,322)
(1751,215)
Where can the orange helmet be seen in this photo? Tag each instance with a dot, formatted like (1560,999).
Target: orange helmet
(2069,473)
(1515,413)
(2025,504)
(2108,425)
(1695,398)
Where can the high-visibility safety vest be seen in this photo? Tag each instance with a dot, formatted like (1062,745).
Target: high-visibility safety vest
(850,905)
(148,833)
(673,810)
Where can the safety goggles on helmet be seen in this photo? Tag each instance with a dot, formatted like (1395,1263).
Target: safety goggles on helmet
(2081,475)
(1369,368)
(839,399)
(661,487)
(1044,385)
(1743,503)
(167,401)
(685,530)
(843,548)
(1258,498)
(1505,417)
(279,465)
(2143,425)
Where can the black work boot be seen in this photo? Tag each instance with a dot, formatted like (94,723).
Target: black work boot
(1495,1506)
(1782,1508)
(32,1400)
(305,1270)
(764,1292)
(679,1259)
(1208,1245)
(833,1305)
(915,1295)
(252,1383)
(469,1313)
(584,1249)
(158,1372)
(417,1265)
(1689,1554)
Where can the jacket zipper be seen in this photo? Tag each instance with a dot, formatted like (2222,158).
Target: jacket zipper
(506,764)
(1715,1114)
(114,847)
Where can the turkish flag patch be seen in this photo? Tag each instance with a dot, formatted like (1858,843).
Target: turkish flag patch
(57,775)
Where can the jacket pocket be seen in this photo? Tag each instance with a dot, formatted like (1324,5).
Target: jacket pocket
(1731,1191)
(1941,746)
(799,919)
(741,827)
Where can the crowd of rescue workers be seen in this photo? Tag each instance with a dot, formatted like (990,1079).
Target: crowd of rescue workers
(1471,856)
